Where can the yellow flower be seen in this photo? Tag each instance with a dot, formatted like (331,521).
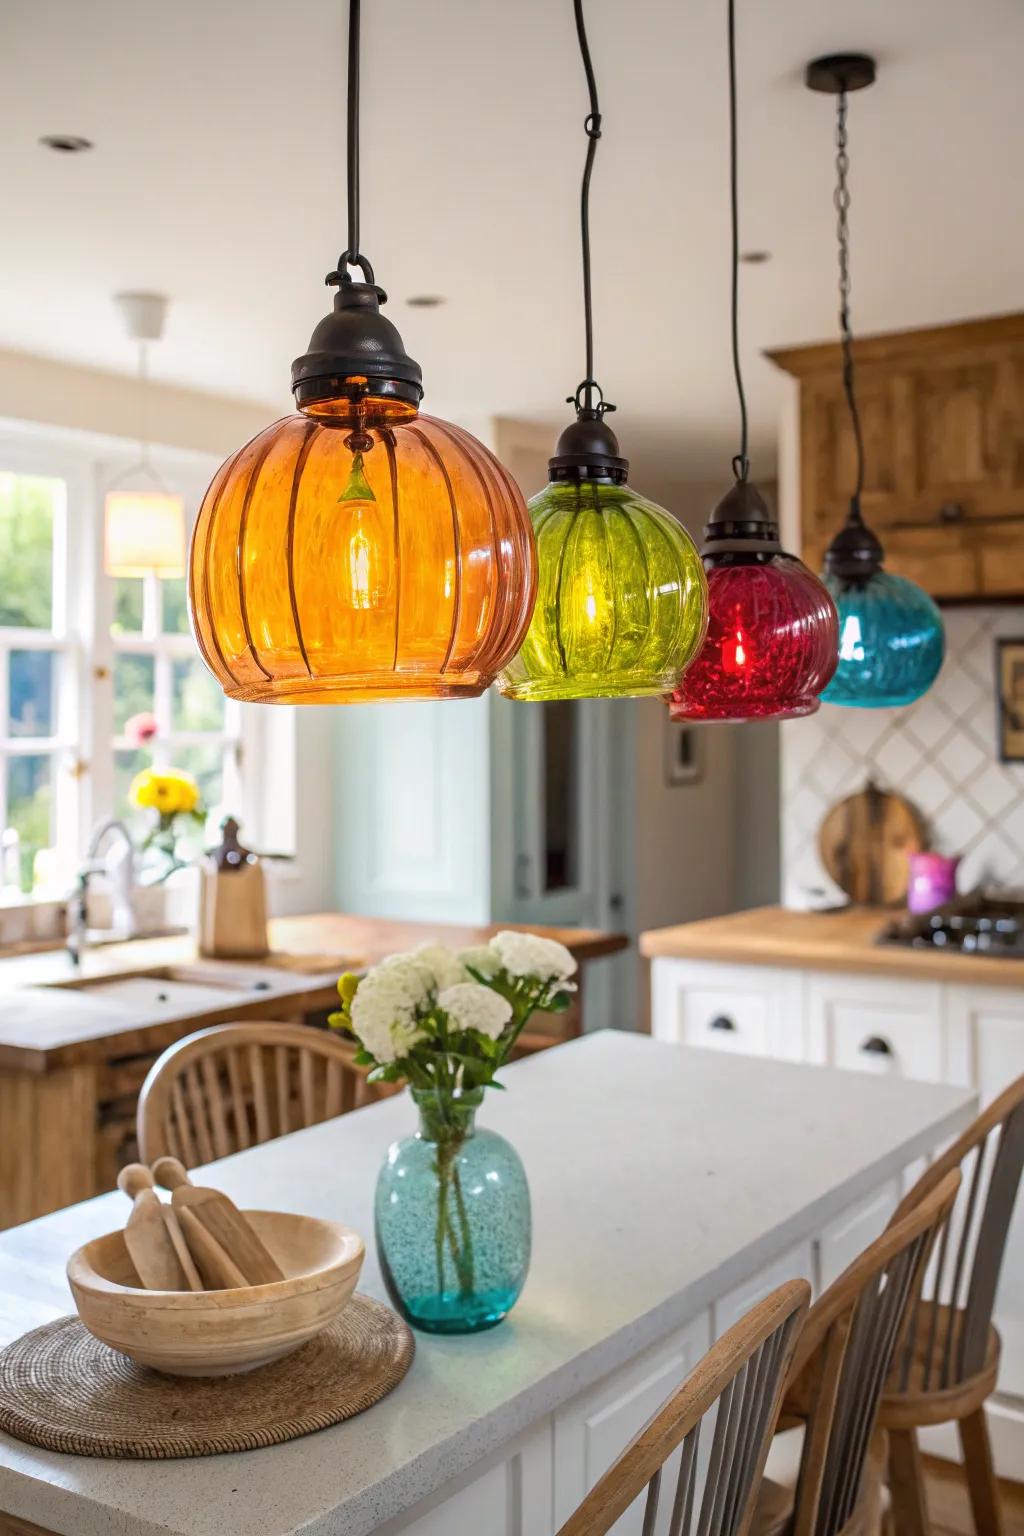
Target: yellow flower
(169,793)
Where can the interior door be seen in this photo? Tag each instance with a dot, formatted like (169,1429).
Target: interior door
(559,782)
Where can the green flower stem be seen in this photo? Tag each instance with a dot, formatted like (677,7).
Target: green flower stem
(446,1119)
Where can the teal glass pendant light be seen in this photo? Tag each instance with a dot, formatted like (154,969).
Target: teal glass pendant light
(891,639)
(622,600)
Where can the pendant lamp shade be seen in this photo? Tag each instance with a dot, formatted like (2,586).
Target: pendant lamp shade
(891,640)
(772,630)
(622,604)
(356,550)
(622,600)
(371,554)
(143,534)
(891,636)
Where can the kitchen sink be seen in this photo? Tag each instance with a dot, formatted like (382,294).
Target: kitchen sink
(209,975)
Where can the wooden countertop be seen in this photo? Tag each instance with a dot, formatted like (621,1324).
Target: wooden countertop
(824,941)
(49,1020)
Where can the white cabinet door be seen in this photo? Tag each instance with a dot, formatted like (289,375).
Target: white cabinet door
(845,1238)
(511,1497)
(797,1264)
(871,1024)
(592,1430)
(755,1010)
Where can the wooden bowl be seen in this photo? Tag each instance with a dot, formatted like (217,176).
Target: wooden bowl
(219,1333)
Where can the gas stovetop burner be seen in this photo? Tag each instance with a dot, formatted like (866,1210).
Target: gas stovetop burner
(973,925)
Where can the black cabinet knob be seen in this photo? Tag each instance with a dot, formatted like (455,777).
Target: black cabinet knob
(721,1021)
(874,1045)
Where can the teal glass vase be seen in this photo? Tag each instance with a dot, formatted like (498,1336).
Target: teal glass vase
(891,642)
(452,1217)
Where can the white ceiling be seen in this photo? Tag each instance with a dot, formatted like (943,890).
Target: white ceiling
(218,178)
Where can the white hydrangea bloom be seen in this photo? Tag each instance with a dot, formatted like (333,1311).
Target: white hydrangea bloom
(527,954)
(482,958)
(385,1008)
(445,967)
(471,1006)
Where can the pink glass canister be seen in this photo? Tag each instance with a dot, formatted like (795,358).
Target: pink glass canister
(932,881)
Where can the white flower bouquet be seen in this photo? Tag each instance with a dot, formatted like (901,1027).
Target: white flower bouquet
(445,1023)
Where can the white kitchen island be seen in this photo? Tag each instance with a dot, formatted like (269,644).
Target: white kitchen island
(671,1188)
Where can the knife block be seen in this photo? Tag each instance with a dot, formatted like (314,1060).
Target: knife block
(232,902)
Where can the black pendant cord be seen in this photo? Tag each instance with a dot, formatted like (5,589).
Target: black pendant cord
(741,461)
(584,396)
(351,256)
(841,198)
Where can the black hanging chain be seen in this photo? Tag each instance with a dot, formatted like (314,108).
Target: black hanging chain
(351,256)
(741,461)
(841,199)
(592,128)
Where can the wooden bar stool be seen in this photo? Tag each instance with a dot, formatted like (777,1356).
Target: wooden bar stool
(829,1482)
(950,1363)
(743,1375)
(236,1085)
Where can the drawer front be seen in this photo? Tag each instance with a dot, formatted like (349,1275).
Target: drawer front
(892,1028)
(753,1010)
(725,1020)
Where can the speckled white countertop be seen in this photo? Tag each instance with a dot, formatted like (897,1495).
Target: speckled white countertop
(692,1167)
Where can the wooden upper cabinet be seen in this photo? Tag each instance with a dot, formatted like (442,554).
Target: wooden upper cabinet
(943,418)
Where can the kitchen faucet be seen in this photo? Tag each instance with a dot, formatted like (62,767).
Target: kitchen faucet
(119,869)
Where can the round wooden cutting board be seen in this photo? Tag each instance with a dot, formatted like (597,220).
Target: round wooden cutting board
(864,842)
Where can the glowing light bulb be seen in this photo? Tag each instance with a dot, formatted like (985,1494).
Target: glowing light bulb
(590,608)
(362,560)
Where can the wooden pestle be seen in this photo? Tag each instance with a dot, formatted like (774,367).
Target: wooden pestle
(153,1237)
(222,1219)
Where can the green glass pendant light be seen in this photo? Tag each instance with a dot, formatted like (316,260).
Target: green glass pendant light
(622,601)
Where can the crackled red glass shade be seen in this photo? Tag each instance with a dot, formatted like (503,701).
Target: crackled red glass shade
(771,646)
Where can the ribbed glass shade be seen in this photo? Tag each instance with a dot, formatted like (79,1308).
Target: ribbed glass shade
(891,642)
(339,560)
(770,648)
(622,598)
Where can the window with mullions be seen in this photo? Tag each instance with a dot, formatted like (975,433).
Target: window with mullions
(36,680)
(159,680)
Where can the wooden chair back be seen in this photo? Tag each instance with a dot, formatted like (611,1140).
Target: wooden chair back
(743,1374)
(843,1358)
(235,1085)
(948,1338)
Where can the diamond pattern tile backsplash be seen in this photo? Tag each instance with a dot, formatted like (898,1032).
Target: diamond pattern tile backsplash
(941,753)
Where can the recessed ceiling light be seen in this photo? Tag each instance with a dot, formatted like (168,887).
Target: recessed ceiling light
(755,258)
(66,143)
(425,301)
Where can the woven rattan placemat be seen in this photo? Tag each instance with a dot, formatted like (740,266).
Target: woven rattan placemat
(63,1390)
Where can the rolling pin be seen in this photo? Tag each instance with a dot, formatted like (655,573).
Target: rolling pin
(153,1237)
(222,1219)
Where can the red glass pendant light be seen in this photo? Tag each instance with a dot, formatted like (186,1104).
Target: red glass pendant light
(773,636)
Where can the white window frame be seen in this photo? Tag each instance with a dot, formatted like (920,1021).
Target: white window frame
(84,744)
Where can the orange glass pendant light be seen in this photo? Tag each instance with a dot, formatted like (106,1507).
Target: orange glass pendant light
(357,550)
